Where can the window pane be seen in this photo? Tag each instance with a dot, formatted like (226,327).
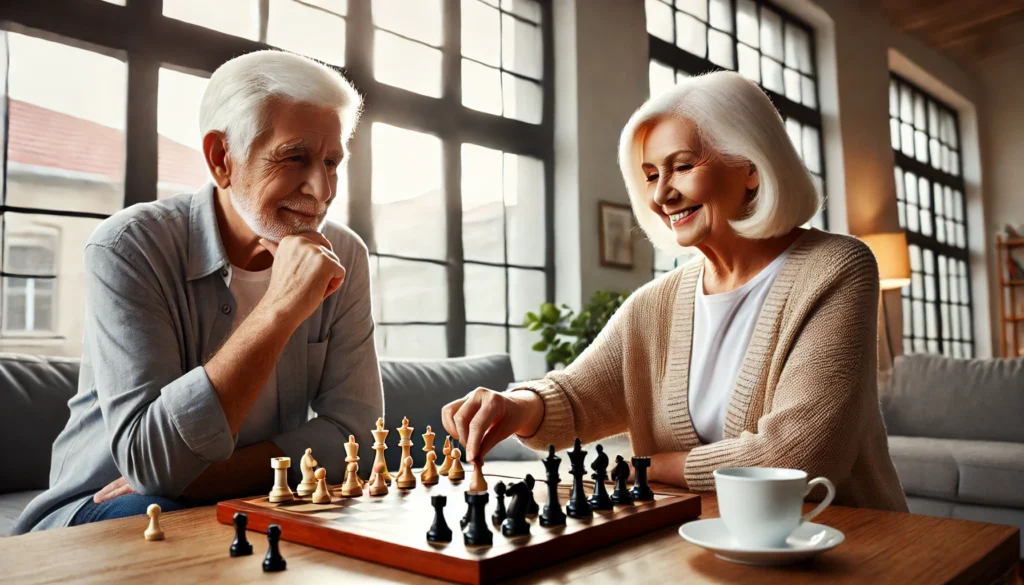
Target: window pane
(747,22)
(307,31)
(907,139)
(662,77)
(234,17)
(482,209)
(408,205)
(691,34)
(921,146)
(894,132)
(720,49)
(721,15)
(793,129)
(526,363)
(406,290)
(15,316)
(412,341)
(807,94)
(750,62)
(791,80)
(481,87)
(771,75)
(521,47)
(919,112)
(484,288)
(894,100)
(524,210)
(798,49)
(521,99)
(65,127)
(406,64)
(181,167)
(698,8)
(906,104)
(771,34)
(483,339)
(812,149)
(527,292)
(528,9)
(31,251)
(416,19)
(481,32)
(659,20)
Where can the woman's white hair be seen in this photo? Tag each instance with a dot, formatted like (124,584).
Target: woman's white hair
(235,101)
(738,123)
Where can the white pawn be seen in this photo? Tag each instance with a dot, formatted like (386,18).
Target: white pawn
(154,532)
(321,495)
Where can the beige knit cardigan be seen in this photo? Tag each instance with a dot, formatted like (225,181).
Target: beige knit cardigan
(806,395)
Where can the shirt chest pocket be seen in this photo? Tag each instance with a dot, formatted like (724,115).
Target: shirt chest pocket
(316,355)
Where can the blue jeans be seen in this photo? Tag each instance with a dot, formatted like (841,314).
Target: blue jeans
(122,507)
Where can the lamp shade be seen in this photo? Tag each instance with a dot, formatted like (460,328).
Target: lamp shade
(893,258)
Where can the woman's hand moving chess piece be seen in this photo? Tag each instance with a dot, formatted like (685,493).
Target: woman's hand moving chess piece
(483,418)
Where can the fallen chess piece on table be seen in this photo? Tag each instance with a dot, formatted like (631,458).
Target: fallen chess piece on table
(154,532)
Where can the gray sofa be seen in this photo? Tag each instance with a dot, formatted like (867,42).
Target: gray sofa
(34,392)
(956,436)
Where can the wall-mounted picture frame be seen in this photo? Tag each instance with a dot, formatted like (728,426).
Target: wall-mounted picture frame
(616,225)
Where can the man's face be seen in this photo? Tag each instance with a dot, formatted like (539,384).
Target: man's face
(291,175)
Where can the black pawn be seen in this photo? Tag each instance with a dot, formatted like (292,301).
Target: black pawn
(641,491)
(620,474)
(241,546)
(439,531)
(516,524)
(476,532)
(600,499)
(578,506)
(553,514)
(274,562)
(499,512)
(532,507)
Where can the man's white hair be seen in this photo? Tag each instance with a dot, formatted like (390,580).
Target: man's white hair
(235,101)
(737,121)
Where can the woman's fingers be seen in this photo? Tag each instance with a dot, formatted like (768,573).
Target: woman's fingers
(500,431)
(484,419)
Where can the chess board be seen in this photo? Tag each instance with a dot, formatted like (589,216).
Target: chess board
(391,530)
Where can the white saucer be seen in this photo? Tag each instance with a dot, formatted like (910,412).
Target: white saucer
(806,541)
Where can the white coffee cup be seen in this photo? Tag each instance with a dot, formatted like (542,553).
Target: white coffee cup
(761,505)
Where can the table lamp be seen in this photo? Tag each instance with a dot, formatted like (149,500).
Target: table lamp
(893,258)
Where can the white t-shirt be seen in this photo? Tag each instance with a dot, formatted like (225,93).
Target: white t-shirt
(262,421)
(722,326)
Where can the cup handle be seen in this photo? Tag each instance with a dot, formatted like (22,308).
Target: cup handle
(824,503)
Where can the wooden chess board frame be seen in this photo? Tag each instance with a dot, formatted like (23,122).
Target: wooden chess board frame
(391,530)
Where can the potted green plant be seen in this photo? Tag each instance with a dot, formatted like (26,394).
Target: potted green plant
(564,334)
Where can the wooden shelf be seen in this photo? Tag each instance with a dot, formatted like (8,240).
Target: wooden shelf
(1011,243)
(1015,282)
(1009,292)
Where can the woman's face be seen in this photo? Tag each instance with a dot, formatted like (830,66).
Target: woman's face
(691,188)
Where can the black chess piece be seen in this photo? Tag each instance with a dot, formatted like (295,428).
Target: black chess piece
(274,562)
(499,514)
(641,491)
(553,514)
(600,500)
(578,506)
(620,474)
(515,524)
(532,507)
(439,531)
(476,531)
(241,546)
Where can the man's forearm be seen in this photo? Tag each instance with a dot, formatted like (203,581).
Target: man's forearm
(243,364)
(669,468)
(246,473)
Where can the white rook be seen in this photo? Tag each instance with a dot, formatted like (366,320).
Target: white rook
(281,492)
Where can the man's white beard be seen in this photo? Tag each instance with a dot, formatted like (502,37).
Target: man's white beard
(263,222)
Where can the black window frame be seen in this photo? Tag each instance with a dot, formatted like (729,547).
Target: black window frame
(146,40)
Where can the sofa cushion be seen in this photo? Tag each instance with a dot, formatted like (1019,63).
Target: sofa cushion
(925,466)
(972,472)
(936,396)
(418,389)
(34,392)
(11,506)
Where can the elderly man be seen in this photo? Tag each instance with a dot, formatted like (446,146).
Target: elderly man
(216,321)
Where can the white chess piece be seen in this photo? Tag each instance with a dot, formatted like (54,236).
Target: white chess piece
(154,532)
(307,464)
(321,495)
(281,492)
(378,485)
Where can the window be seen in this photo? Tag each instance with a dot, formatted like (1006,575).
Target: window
(937,305)
(761,42)
(449,180)
(30,272)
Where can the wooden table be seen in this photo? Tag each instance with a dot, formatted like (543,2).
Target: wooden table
(880,547)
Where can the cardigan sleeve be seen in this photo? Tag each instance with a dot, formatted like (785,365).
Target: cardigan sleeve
(824,392)
(587,399)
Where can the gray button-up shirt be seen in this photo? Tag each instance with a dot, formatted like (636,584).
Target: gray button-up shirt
(157,308)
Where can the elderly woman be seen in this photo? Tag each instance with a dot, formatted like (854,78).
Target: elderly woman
(761,352)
